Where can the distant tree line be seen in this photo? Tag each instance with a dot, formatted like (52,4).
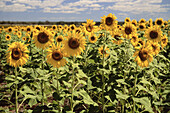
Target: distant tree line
(46,23)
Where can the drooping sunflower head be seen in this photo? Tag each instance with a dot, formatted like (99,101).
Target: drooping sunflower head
(104,51)
(164,41)
(128,29)
(159,22)
(43,38)
(116,36)
(109,21)
(17,54)
(74,44)
(55,56)
(7,37)
(92,38)
(155,47)
(134,40)
(154,34)
(143,57)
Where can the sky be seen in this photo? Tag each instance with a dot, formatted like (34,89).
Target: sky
(81,10)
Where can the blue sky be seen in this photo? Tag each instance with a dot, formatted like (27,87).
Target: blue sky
(80,10)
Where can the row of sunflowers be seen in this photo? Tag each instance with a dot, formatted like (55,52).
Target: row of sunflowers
(87,68)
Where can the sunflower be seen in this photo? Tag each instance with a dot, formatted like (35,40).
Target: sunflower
(78,30)
(43,38)
(142,20)
(17,54)
(72,27)
(116,37)
(54,27)
(155,47)
(66,27)
(89,27)
(127,19)
(59,39)
(55,56)
(19,34)
(92,38)
(143,57)
(164,41)
(134,22)
(24,38)
(109,21)
(128,29)
(9,30)
(7,37)
(142,27)
(28,29)
(154,34)
(37,27)
(74,43)
(140,44)
(159,22)
(134,40)
(106,50)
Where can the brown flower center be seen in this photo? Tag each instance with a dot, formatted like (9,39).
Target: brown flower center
(72,27)
(9,29)
(16,54)
(141,26)
(109,21)
(142,21)
(28,29)
(128,30)
(102,52)
(73,43)
(143,54)
(54,27)
(127,20)
(134,23)
(59,39)
(8,37)
(153,34)
(93,38)
(43,37)
(159,22)
(57,55)
(38,28)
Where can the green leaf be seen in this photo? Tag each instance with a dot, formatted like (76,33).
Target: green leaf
(144,81)
(144,101)
(89,84)
(120,95)
(81,74)
(122,81)
(86,98)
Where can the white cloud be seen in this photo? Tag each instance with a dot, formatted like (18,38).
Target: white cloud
(139,6)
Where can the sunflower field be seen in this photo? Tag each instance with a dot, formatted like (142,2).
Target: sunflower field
(109,68)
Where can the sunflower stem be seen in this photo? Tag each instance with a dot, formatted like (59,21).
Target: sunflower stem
(103,79)
(134,91)
(58,90)
(72,85)
(42,81)
(16,90)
